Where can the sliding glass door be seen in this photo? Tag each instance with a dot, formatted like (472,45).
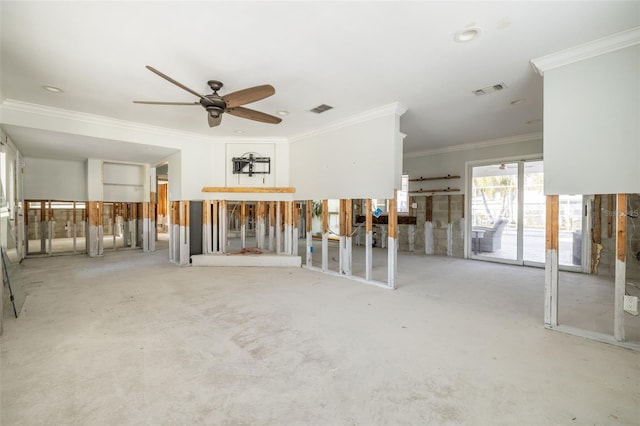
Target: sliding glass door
(508,213)
(494,211)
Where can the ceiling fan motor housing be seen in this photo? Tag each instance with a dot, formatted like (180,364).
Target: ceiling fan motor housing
(214,104)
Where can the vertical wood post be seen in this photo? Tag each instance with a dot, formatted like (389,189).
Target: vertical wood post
(295,232)
(596,234)
(309,224)
(184,233)
(272,224)
(243,224)
(278,226)
(174,231)
(392,251)
(288,227)
(94,240)
(153,227)
(428,226)
(50,224)
(346,219)
(223,221)
(325,235)
(215,213)
(368,224)
(206,227)
(621,267)
(551,262)
(449,228)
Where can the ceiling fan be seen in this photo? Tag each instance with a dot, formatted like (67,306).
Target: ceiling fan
(231,103)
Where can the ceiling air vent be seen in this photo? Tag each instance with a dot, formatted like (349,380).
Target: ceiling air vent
(321,108)
(490,89)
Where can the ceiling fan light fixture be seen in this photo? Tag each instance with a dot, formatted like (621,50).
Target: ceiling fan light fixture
(467,34)
(283,112)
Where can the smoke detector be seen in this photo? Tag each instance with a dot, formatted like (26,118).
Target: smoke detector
(490,89)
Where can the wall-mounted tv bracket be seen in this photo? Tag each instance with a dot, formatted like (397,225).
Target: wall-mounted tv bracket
(246,165)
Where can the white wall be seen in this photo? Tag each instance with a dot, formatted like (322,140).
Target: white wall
(452,161)
(357,160)
(591,125)
(62,180)
(123,182)
(174,162)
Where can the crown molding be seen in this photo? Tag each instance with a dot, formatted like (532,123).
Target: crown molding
(475,145)
(129,126)
(395,108)
(588,50)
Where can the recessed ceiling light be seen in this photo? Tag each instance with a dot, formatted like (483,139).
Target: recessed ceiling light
(466,34)
(239,131)
(53,89)
(518,101)
(534,121)
(283,112)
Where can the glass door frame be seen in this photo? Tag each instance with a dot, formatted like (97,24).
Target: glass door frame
(521,160)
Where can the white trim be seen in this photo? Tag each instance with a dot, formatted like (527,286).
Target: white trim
(93,119)
(475,145)
(588,50)
(395,108)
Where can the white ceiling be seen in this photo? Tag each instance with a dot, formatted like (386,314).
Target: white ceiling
(355,56)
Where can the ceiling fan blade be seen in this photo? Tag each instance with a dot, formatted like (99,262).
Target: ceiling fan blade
(169,79)
(165,103)
(214,121)
(247,96)
(252,114)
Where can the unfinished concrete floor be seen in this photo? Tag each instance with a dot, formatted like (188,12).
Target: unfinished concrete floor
(130,339)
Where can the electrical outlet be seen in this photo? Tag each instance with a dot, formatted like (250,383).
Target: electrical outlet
(631,304)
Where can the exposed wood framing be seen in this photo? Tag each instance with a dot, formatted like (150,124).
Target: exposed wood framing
(223,221)
(392,250)
(428,209)
(95,245)
(308,223)
(368,241)
(260,224)
(609,216)
(243,224)
(272,224)
(215,243)
(251,190)
(278,227)
(325,235)
(346,217)
(295,219)
(551,261)
(621,267)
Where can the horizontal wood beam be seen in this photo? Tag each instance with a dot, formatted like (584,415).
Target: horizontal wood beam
(248,189)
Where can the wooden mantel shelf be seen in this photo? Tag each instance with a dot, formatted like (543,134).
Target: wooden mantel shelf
(250,189)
